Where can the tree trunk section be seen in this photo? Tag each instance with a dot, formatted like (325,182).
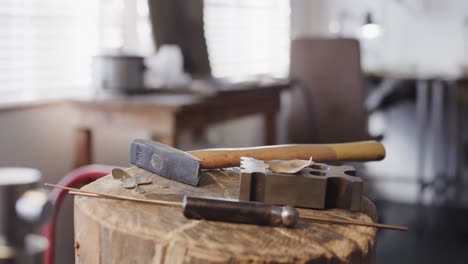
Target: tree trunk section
(112,231)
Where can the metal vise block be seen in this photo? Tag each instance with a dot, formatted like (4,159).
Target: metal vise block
(318,186)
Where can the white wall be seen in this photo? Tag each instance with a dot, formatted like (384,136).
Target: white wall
(310,18)
(420,36)
(39,138)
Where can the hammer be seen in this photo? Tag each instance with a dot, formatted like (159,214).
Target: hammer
(185,167)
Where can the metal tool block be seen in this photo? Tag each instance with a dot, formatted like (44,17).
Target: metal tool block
(318,186)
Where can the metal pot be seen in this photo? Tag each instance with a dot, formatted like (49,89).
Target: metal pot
(118,73)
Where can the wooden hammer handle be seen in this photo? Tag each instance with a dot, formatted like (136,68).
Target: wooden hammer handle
(353,151)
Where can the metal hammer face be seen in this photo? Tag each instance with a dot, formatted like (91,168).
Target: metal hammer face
(165,161)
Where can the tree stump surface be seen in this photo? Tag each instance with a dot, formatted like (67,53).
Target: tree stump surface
(113,231)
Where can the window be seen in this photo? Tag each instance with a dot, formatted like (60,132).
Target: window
(247,38)
(124,27)
(46,46)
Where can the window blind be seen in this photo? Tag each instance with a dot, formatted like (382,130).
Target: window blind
(45,47)
(124,26)
(247,38)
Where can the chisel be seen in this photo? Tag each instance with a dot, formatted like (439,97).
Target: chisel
(232,210)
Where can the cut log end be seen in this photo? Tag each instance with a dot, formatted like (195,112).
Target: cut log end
(128,232)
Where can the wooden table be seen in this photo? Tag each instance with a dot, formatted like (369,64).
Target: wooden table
(112,231)
(167,115)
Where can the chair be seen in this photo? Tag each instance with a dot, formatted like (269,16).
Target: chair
(327,104)
(75,179)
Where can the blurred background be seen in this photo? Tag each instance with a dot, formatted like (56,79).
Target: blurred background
(390,70)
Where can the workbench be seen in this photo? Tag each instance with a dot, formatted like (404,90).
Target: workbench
(114,231)
(166,115)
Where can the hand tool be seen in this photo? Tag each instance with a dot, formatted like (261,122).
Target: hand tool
(220,209)
(317,186)
(215,204)
(185,167)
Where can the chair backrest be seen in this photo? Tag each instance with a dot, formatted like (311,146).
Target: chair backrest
(328,102)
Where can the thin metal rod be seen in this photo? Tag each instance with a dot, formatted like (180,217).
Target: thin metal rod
(179,204)
(114,196)
(348,222)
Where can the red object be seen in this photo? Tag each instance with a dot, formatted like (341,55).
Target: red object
(75,179)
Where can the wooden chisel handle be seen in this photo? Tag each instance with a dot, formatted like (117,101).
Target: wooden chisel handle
(353,151)
(239,212)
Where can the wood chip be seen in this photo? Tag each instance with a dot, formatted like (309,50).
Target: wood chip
(130,183)
(288,166)
(161,185)
(120,174)
(139,190)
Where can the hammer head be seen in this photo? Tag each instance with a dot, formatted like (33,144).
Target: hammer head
(165,161)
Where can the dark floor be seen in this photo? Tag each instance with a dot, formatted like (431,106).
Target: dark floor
(436,234)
